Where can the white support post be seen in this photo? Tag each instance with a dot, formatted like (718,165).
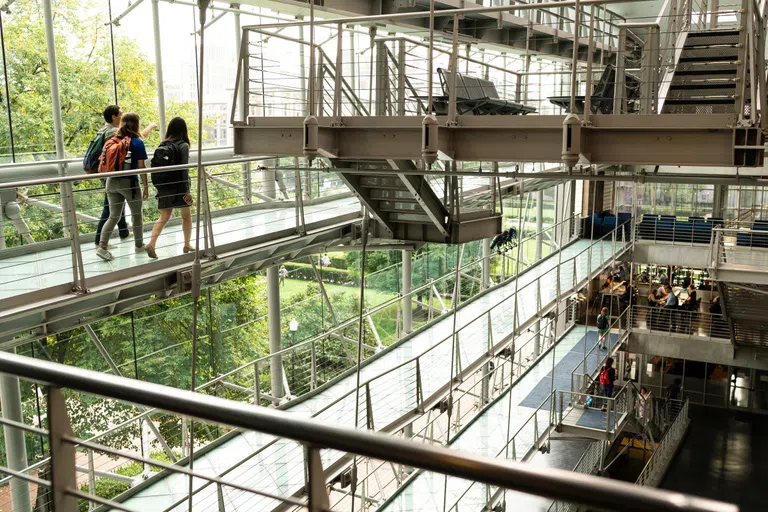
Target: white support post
(158,68)
(407,288)
(275,336)
(486,282)
(241,38)
(15,447)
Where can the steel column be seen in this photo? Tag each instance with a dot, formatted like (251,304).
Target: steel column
(15,446)
(240,39)
(67,199)
(486,264)
(159,67)
(539,252)
(63,475)
(275,336)
(407,288)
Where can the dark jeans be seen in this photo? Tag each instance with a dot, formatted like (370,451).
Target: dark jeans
(607,392)
(122,226)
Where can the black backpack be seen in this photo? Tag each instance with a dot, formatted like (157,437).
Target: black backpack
(167,153)
(602,322)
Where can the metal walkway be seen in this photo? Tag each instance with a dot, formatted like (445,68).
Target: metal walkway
(395,380)
(36,285)
(512,427)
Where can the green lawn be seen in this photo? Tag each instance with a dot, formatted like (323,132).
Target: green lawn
(297,286)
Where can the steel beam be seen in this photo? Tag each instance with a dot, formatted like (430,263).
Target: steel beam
(695,140)
(115,370)
(407,304)
(159,67)
(15,445)
(275,334)
(56,309)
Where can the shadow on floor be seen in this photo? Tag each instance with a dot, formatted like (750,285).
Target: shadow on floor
(723,457)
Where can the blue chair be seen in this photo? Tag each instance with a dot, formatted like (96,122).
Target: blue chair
(683,232)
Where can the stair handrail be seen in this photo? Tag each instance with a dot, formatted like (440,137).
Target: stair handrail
(656,466)
(675,16)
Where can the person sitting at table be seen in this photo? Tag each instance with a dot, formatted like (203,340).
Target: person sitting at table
(670,300)
(691,302)
(652,300)
(619,274)
(661,293)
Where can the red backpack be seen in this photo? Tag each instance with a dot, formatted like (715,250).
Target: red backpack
(605,377)
(114,153)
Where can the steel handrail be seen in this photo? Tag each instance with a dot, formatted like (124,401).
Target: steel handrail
(547,482)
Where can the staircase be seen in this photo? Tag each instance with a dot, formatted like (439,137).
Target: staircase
(419,208)
(745,307)
(705,78)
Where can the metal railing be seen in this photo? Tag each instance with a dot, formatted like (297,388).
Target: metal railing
(388,77)
(740,246)
(230,187)
(657,465)
(677,232)
(312,436)
(582,377)
(250,382)
(616,407)
(588,465)
(679,321)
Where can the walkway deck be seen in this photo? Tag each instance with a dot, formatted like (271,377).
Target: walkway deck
(36,280)
(489,431)
(278,466)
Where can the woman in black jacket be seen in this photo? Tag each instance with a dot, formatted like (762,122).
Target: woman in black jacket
(174,192)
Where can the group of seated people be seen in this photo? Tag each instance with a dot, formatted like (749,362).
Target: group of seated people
(665,297)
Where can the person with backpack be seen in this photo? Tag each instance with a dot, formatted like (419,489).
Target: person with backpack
(607,378)
(124,151)
(112,117)
(603,327)
(173,187)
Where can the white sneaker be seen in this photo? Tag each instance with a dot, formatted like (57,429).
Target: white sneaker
(104,254)
(141,249)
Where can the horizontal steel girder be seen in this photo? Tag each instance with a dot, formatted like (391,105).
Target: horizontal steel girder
(44,312)
(503,30)
(694,140)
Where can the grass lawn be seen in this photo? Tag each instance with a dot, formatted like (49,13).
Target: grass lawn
(297,286)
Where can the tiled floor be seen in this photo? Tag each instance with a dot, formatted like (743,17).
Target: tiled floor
(278,468)
(22,274)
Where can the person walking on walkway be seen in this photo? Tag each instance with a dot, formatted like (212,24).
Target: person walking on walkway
(173,187)
(607,378)
(603,327)
(112,117)
(126,189)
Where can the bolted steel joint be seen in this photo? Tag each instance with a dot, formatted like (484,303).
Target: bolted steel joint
(310,137)
(571,140)
(429,127)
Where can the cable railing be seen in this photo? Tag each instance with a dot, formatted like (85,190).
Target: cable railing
(583,374)
(588,465)
(657,465)
(680,322)
(573,404)
(744,246)
(468,400)
(251,388)
(309,436)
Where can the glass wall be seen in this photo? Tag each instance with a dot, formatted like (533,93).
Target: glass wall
(700,382)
